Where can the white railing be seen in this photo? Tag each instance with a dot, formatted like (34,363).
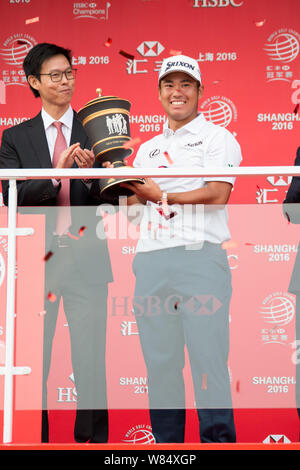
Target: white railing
(9,370)
(49,173)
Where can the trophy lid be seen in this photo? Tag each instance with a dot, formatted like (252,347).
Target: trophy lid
(102,103)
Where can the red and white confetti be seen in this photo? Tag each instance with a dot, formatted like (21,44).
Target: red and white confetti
(70,235)
(169,159)
(51,297)
(81,231)
(175,52)
(204,382)
(32,20)
(108,42)
(48,255)
(126,54)
(259,23)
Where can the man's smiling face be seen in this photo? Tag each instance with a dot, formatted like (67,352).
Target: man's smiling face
(179,94)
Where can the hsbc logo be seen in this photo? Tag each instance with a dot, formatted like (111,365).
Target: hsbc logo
(276,439)
(150,48)
(279,180)
(216,3)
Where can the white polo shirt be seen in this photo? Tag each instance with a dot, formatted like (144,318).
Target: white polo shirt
(198,144)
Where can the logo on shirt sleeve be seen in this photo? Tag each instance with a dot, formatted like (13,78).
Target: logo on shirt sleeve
(154,153)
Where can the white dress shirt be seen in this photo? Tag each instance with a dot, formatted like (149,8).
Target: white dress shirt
(51,131)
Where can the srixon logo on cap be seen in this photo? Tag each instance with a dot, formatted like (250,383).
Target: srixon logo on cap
(179,64)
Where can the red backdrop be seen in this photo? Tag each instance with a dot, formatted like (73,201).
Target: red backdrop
(248,52)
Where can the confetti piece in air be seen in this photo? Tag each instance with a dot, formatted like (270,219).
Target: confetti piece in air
(127,55)
(81,230)
(296,109)
(288,217)
(51,297)
(204,382)
(249,244)
(174,52)
(168,158)
(32,20)
(165,212)
(130,143)
(2,92)
(238,386)
(259,190)
(259,23)
(70,235)
(48,255)
(108,42)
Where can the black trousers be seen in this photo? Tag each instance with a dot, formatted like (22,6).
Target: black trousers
(85,306)
(182,300)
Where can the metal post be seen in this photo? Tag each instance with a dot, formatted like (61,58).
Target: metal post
(10,313)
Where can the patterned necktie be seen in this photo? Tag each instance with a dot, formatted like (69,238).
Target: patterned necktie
(63,220)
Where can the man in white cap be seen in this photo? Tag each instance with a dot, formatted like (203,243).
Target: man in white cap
(183,281)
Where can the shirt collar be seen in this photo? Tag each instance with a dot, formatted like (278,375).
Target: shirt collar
(66,119)
(192,126)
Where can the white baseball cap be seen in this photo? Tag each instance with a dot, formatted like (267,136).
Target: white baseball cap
(180,63)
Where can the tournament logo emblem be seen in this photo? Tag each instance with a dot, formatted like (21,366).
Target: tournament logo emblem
(219,110)
(278,309)
(13,53)
(283,46)
(139,434)
(16,48)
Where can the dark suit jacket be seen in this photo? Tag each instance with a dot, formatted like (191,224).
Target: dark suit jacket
(25,146)
(291,209)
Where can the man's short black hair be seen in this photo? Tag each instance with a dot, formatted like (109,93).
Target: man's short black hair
(36,57)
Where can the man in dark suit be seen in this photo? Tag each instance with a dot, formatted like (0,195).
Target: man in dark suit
(78,269)
(291,208)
